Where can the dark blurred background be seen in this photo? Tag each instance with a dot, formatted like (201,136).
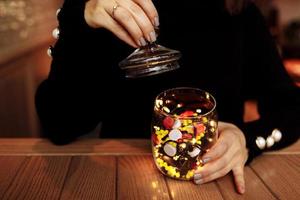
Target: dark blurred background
(26,33)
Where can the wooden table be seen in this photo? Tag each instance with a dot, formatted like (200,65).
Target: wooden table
(124,169)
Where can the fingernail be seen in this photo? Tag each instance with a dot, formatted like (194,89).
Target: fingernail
(197,176)
(156,21)
(242,189)
(142,41)
(152,37)
(198,181)
(205,160)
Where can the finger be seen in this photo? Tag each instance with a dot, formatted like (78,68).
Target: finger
(141,19)
(150,10)
(219,149)
(126,20)
(119,31)
(239,179)
(214,176)
(217,165)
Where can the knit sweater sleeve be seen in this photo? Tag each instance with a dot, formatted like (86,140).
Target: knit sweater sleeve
(66,102)
(266,80)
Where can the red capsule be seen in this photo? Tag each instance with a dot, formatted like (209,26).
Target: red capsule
(155,139)
(168,122)
(180,140)
(187,136)
(200,128)
(187,113)
(194,165)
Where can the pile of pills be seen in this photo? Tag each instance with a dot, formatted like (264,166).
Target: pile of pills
(179,141)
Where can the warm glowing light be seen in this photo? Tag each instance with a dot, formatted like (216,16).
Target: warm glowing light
(213,123)
(158,102)
(173,194)
(179,105)
(154,184)
(198,110)
(207,96)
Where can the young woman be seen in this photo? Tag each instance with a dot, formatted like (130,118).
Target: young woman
(227,51)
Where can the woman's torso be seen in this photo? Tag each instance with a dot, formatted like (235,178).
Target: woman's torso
(211,43)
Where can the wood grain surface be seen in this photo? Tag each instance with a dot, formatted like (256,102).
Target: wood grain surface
(9,168)
(124,169)
(255,188)
(139,179)
(188,190)
(281,174)
(91,177)
(39,178)
(38,146)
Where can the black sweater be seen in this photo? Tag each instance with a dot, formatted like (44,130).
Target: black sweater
(232,57)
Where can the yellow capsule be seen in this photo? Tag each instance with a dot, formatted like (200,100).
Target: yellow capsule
(173,144)
(193,141)
(166,109)
(189,129)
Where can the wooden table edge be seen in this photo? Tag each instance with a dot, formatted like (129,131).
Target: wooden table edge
(93,146)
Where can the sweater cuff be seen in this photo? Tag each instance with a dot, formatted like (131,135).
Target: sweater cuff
(252,130)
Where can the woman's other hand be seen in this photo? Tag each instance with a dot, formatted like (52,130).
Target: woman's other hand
(132,21)
(229,153)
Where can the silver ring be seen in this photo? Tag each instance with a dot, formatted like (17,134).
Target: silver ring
(114,10)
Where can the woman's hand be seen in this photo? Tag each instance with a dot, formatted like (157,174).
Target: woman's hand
(229,153)
(132,21)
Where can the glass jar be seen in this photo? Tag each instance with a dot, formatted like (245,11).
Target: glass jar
(184,127)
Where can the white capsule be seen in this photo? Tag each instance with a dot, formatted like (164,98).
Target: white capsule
(260,142)
(170,150)
(49,52)
(177,124)
(55,33)
(58,11)
(277,135)
(270,141)
(196,151)
(175,134)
